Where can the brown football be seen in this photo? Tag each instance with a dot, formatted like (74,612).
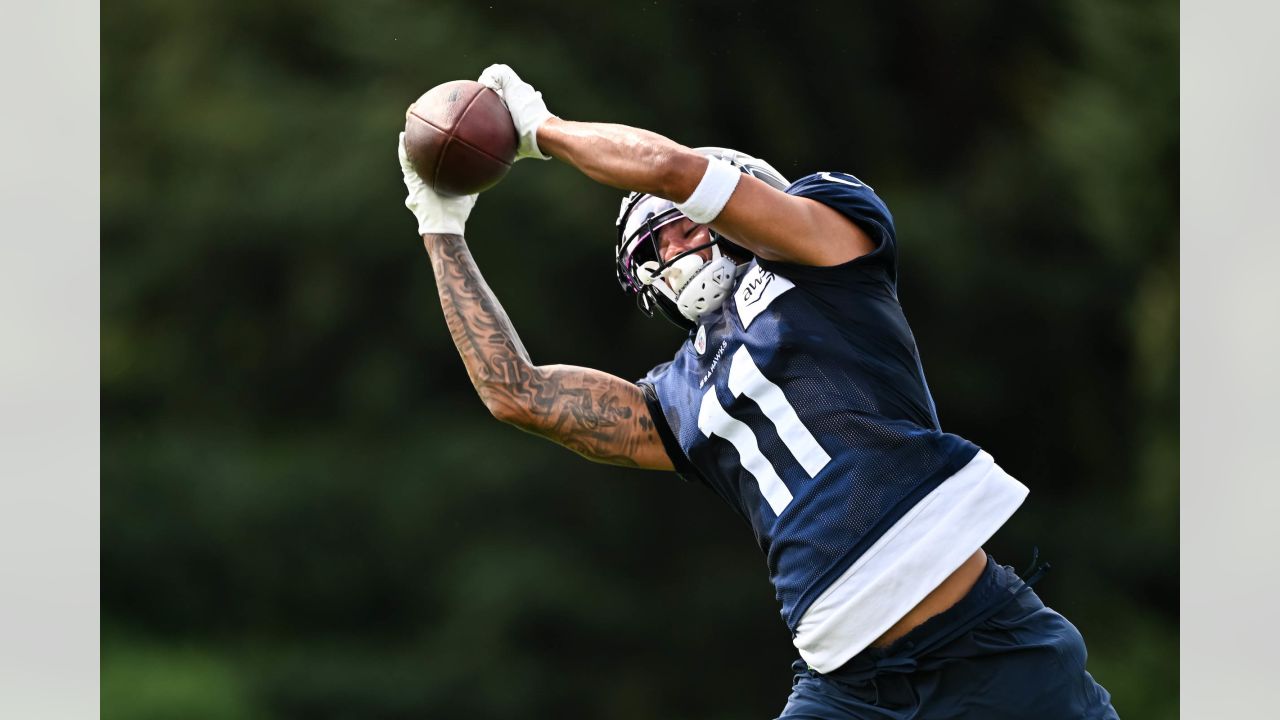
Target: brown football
(460,138)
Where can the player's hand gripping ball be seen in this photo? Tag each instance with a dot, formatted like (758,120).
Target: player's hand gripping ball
(460,138)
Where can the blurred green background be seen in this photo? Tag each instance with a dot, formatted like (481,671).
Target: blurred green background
(307,513)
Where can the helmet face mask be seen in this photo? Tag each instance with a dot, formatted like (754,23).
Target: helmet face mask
(684,287)
(660,284)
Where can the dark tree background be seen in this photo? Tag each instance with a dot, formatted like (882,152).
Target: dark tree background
(306,512)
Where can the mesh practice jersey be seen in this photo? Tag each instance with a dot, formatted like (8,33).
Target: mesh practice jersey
(802,403)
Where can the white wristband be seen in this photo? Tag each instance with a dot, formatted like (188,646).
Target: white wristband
(712,193)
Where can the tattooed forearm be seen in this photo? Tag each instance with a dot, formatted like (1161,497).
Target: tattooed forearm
(597,415)
(492,352)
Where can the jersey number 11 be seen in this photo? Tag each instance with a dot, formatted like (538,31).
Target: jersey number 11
(746,379)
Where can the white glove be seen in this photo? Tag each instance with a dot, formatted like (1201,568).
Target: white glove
(435,212)
(528,111)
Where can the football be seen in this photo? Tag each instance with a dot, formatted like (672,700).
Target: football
(460,138)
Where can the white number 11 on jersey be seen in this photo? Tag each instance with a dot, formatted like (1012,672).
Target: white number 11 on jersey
(746,379)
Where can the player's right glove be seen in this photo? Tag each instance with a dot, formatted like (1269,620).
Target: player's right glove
(528,111)
(435,212)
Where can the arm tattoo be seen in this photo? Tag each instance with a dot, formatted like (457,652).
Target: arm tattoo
(597,415)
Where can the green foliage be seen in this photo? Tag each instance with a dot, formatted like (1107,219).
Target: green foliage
(307,513)
(147,681)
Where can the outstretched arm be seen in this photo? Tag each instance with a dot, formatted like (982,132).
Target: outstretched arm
(766,221)
(770,223)
(597,415)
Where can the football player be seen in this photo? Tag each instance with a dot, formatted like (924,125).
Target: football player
(798,397)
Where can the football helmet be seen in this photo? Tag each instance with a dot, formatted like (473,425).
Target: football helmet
(685,287)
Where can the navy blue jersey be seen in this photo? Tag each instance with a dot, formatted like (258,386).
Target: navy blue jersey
(802,403)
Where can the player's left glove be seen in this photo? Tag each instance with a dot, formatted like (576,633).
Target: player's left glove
(435,212)
(528,111)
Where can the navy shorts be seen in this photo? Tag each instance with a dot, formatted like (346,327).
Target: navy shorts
(997,654)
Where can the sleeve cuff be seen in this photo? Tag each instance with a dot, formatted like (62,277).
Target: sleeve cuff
(684,468)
